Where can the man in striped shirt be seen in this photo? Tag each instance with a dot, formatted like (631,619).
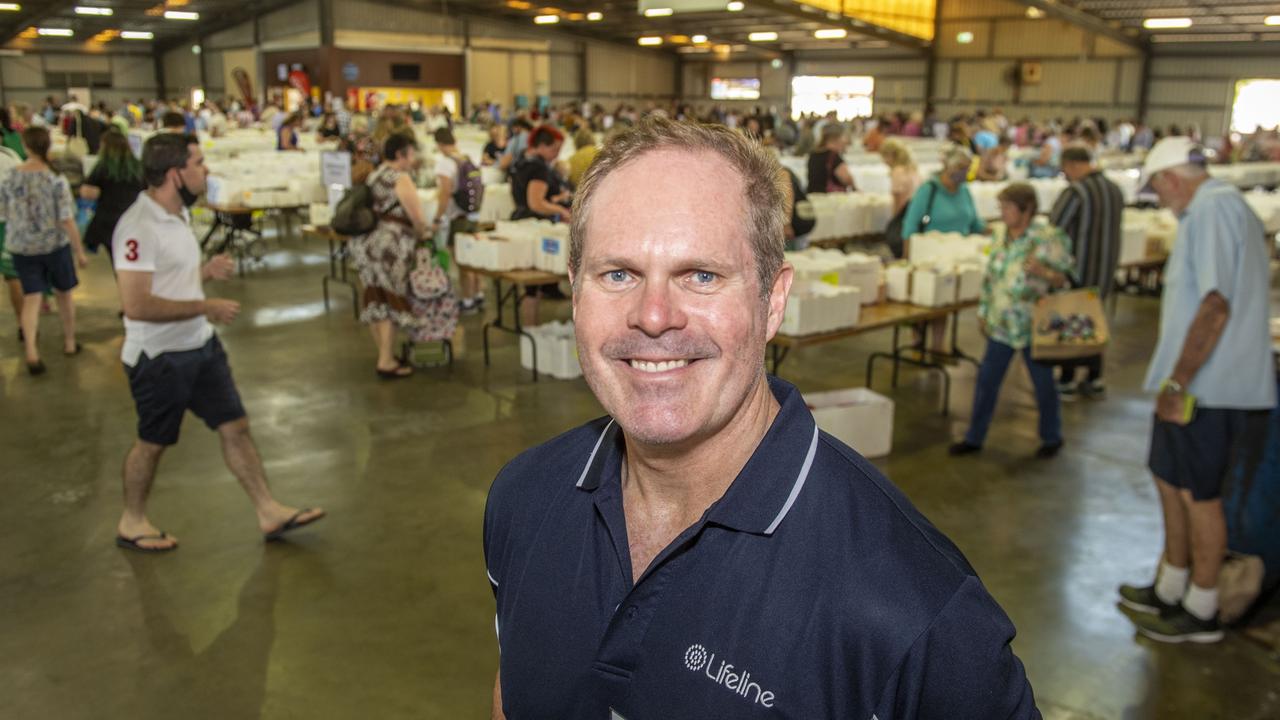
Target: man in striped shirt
(1090,212)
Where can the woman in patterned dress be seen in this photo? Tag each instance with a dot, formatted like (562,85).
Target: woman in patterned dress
(1026,263)
(385,256)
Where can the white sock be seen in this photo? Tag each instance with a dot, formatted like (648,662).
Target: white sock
(1200,602)
(1171,583)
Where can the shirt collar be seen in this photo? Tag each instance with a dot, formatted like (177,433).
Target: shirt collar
(159,212)
(767,487)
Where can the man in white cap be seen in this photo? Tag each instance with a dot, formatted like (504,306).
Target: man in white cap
(1214,381)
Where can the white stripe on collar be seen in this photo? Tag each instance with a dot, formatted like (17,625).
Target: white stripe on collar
(795,489)
(582,478)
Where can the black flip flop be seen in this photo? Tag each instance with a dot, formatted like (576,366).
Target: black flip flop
(394,374)
(132,543)
(79,347)
(36,368)
(291,524)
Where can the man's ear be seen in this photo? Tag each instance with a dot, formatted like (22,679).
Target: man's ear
(777,298)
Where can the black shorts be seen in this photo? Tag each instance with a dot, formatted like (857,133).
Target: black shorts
(1198,456)
(166,386)
(40,272)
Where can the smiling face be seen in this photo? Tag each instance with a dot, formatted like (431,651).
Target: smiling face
(671,321)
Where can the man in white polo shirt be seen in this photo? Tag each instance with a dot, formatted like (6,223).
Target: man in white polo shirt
(171,355)
(1214,382)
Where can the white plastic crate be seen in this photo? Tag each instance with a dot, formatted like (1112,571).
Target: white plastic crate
(858,417)
(552,251)
(898,278)
(495,252)
(968,282)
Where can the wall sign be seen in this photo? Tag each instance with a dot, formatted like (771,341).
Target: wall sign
(350,72)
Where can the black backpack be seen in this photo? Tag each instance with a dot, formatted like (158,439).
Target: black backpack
(354,214)
(470,191)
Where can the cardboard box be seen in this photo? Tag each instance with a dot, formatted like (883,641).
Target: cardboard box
(898,279)
(968,282)
(821,307)
(552,251)
(858,417)
(557,350)
(933,287)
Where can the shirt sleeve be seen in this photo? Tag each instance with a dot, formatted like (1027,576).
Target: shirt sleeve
(1214,240)
(1065,209)
(976,225)
(66,207)
(134,249)
(962,666)
(98,176)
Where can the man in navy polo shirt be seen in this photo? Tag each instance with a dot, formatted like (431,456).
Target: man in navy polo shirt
(704,551)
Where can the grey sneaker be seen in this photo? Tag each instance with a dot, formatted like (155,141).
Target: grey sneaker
(1093,389)
(1069,392)
(1144,600)
(1179,626)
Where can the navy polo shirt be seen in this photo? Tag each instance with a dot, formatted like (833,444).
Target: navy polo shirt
(811,589)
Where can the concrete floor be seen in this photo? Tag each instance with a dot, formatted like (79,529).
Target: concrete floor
(383,610)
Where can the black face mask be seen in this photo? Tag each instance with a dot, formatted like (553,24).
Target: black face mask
(188,198)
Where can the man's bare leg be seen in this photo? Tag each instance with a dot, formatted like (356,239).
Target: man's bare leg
(1177,532)
(242,459)
(139,474)
(1208,539)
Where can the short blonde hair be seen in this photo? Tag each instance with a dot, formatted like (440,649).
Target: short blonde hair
(896,154)
(763,191)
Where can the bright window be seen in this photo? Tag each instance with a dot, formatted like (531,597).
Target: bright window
(1257,105)
(848,95)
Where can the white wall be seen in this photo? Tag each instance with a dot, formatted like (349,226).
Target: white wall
(1083,74)
(1190,89)
(24,78)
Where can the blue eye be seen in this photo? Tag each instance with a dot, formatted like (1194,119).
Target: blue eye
(702,277)
(617,276)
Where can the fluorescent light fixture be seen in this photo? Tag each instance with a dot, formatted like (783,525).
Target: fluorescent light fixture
(1272,20)
(181,15)
(735,6)
(87,10)
(1034,12)
(10,7)
(762,36)
(55,32)
(830,33)
(595,16)
(546,19)
(1166,23)
(658,12)
(964,38)
(137,35)
(698,39)
(650,40)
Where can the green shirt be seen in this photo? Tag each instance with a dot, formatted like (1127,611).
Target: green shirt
(13,141)
(1009,294)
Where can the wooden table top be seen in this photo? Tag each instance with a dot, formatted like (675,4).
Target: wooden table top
(526,276)
(875,317)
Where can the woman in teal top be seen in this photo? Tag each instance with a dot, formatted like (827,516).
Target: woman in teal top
(943,202)
(1027,262)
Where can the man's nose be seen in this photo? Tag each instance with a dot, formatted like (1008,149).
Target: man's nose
(657,308)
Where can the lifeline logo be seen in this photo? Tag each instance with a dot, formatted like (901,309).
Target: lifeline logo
(696,658)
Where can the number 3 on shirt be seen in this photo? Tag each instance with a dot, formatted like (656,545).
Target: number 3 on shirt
(132,253)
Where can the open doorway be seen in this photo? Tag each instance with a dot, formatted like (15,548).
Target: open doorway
(848,95)
(1256,105)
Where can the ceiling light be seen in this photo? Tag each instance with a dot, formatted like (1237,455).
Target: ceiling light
(87,10)
(1272,20)
(658,12)
(698,39)
(55,32)
(575,16)
(180,15)
(595,16)
(762,36)
(1166,23)
(1035,13)
(830,33)
(546,19)
(964,38)
(137,35)
(735,6)
(519,4)
(650,40)
(10,7)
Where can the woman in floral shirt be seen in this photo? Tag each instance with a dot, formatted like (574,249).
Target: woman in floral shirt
(1027,261)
